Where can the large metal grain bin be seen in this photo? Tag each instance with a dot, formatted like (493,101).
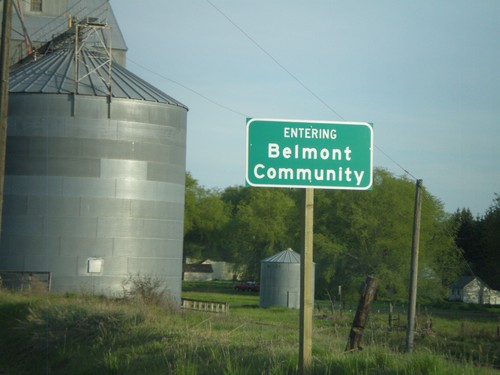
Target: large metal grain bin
(280,280)
(95,176)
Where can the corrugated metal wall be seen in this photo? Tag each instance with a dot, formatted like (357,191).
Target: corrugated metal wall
(89,193)
(280,284)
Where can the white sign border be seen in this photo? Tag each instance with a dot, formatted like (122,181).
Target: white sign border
(247,146)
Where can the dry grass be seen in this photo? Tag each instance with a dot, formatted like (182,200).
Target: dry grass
(91,335)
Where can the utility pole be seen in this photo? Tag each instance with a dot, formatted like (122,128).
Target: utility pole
(410,329)
(4,91)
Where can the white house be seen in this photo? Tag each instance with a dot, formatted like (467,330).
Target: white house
(471,289)
(207,270)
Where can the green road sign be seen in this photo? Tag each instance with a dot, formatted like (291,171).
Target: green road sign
(309,154)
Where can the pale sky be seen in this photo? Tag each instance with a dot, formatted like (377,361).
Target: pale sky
(425,73)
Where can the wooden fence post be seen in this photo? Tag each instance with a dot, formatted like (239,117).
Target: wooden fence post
(390,315)
(361,317)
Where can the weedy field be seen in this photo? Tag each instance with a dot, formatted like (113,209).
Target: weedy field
(83,334)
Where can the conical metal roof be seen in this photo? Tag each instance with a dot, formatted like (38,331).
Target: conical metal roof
(285,256)
(54,73)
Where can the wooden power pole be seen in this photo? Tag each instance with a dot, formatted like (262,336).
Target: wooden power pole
(412,303)
(4,91)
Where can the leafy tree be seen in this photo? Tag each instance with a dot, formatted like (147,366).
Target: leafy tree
(263,223)
(190,202)
(441,261)
(480,240)
(356,233)
(369,228)
(206,216)
(370,232)
(468,236)
(491,251)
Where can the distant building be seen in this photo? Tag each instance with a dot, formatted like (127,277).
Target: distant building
(197,272)
(471,289)
(208,270)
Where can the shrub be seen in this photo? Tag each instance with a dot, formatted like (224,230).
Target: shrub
(147,290)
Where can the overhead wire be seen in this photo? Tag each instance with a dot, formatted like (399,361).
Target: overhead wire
(297,79)
(395,162)
(225,107)
(293,76)
(189,89)
(275,60)
(220,105)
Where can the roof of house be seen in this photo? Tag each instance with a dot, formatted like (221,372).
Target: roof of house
(198,268)
(463,281)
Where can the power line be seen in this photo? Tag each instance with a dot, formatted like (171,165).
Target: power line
(296,79)
(275,60)
(190,89)
(395,162)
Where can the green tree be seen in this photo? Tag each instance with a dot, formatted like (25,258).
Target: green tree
(491,250)
(442,260)
(206,216)
(370,232)
(264,222)
(190,202)
(480,240)
(468,236)
(372,228)
(356,233)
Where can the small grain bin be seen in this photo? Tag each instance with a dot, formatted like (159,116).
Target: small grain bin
(280,280)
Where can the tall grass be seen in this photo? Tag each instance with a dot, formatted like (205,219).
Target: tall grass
(90,335)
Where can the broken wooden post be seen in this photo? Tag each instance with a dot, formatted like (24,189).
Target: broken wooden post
(361,317)
(390,315)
